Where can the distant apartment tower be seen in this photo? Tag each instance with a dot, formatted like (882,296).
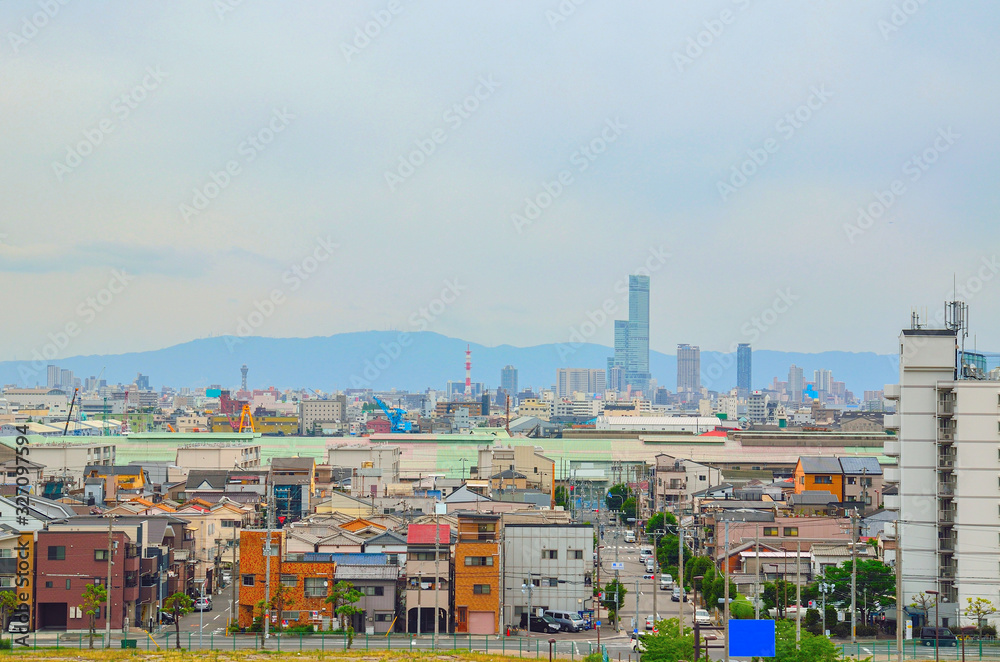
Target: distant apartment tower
(582,380)
(757,406)
(688,369)
(947,471)
(637,370)
(616,379)
(52,376)
(142,382)
(744,370)
(823,380)
(795,384)
(66,379)
(508,380)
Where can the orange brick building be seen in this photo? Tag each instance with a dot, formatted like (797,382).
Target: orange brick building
(477,574)
(819,474)
(305,584)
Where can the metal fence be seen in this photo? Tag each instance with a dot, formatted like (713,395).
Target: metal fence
(519,646)
(970,650)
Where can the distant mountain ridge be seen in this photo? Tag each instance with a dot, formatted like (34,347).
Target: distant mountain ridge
(415,361)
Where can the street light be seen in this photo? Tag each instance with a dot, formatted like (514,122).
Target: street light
(935,594)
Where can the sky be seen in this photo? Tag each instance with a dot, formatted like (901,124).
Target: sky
(795,175)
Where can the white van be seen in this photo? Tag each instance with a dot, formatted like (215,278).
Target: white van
(650,565)
(568,621)
(645,553)
(629,537)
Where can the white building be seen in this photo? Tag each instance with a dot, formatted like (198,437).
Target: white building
(579,380)
(757,406)
(947,475)
(692,424)
(553,562)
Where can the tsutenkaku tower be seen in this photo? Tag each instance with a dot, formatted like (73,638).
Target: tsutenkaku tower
(468,371)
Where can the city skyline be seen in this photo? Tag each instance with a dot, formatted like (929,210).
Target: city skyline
(160,169)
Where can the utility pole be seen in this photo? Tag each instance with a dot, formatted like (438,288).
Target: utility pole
(899,593)
(756,590)
(725,609)
(657,534)
(854,577)
(233,576)
(680,571)
(798,592)
(437,574)
(637,608)
(267,564)
(108,610)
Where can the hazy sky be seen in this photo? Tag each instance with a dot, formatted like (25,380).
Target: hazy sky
(494,171)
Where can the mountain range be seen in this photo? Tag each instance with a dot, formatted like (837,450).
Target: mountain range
(415,361)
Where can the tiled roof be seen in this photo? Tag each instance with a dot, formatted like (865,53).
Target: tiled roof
(858,466)
(424,534)
(361,572)
(820,465)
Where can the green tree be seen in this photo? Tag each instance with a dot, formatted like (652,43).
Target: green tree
(878,579)
(979,609)
(661,522)
(669,645)
(94,595)
(8,603)
(608,602)
(668,551)
(281,598)
(619,499)
(811,648)
(343,597)
(777,595)
(924,603)
(562,496)
(177,605)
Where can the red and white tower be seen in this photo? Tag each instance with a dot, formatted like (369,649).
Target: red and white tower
(468,372)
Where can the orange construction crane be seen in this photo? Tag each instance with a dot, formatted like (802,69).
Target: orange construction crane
(246,420)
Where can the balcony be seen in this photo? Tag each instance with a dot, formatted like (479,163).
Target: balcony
(181,554)
(891,392)
(946,432)
(891,448)
(946,516)
(478,537)
(891,475)
(946,573)
(946,406)
(891,422)
(946,489)
(946,460)
(946,545)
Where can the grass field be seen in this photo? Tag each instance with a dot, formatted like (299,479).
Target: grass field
(249,656)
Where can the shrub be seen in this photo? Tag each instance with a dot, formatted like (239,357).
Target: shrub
(841,630)
(988,631)
(6,644)
(831,617)
(863,630)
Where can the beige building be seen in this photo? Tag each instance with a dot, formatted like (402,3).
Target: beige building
(215,526)
(219,456)
(37,398)
(536,408)
(188,424)
(313,412)
(70,460)
(538,470)
(378,456)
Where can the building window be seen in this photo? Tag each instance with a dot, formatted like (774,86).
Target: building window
(57,553)
(791,531)
(372,590)
(100,555)
(315,587)
(478,560)
(553,581)
(486,528)
(851,480)
(536,582)
(291,581)
(49,585)
(480,589)
(823,480)
(425,556)
(575,554)
(248,580)
(549,554)
(230,524)
(770,531)
(384,618)
(69,585)
(701,478)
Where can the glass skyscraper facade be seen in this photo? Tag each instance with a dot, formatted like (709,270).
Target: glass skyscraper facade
(743,370)
(632,339)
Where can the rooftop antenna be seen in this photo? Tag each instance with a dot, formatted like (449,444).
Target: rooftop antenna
(956,314)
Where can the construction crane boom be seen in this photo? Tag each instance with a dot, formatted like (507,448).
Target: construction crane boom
(395,416)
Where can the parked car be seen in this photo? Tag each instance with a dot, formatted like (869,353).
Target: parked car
(629,535)
(645,553)
(651,621)
(944,637)
(702,617)
(666,581)
(676,596)
(637,643)
(540,623)
(166,618)
(568,621)
(203,604)
(17,626)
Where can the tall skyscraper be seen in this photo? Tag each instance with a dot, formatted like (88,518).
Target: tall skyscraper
(637,370)
(688,368)
(583,380)
(52,376)
(508,380)
(743,369)
(823,380)
(616,378)
(66,379)
(795,384)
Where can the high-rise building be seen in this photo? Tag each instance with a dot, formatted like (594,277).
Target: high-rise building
(823,380)
(142,382)
(66,379)
(946,475)
(508,380)
(52,376)
(616,379)
(795,384)
(688,369)
(637,370)
(743,369)
(582,380)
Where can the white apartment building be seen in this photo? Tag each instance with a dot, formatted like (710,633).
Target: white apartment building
(948,475)
(579,380)
(218,456)
(553,562)
(312,412)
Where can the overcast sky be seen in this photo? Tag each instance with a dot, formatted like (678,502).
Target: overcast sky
(169,168)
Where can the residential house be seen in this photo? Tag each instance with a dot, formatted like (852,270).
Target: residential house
(819,473)
(428,570)
(377,585)
(392,544)
(477,581)
(293,483)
